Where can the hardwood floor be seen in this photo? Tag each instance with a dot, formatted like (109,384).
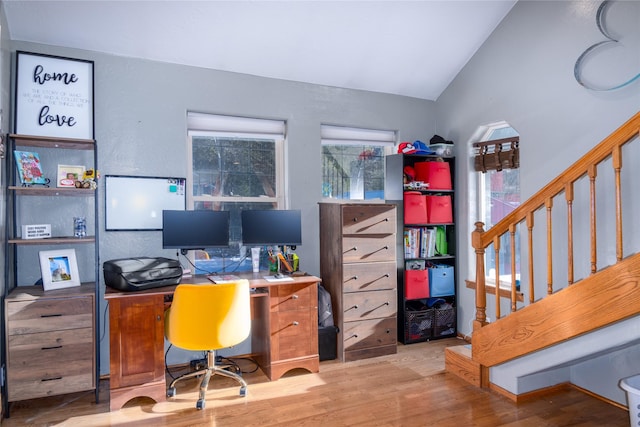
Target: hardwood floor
(410,388)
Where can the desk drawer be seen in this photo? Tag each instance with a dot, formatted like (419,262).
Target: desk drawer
(367,219)
(25,317)
(369,249)
(370,333)
(294,297)
(370,305)
(369,276)
(292,332)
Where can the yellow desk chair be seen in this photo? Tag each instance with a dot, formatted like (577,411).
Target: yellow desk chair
(209,317)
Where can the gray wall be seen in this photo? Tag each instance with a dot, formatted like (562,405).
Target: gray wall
(140,123)
(523,74)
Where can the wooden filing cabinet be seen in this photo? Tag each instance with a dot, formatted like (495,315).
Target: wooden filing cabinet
(291,311)
(50,341)
(358,268)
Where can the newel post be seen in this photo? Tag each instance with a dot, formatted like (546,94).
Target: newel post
(481,295)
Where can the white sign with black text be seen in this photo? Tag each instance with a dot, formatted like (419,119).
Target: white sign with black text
(54,96)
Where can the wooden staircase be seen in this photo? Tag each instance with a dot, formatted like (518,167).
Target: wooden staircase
(568,310)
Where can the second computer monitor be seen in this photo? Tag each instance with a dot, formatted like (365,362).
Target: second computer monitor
(271,227)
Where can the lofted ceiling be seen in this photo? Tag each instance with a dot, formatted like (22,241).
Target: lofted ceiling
(412,48)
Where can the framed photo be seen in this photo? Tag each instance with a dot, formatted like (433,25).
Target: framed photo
(59,269)
(69,174)
(54,96)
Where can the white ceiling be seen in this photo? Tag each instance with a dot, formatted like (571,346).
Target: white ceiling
(413,48)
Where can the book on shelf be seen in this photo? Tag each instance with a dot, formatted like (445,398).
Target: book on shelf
(419,242)
(29,168)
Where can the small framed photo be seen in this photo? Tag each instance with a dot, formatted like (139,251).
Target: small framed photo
(59,269)
(69,174)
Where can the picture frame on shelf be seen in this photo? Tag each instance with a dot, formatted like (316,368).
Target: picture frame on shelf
(69,174)
(59,269)
(29,168)
(53,96)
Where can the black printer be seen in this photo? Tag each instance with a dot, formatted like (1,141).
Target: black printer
(136,274)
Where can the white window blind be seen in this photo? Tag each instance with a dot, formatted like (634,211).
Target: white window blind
(237,126)
(339,135)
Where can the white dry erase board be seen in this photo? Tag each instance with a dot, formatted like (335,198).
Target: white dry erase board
(137,202)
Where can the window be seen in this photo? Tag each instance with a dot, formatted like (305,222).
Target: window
(499,194)
(353,162)
(235,164)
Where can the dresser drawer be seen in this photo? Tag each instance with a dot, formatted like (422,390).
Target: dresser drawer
(370,333)
(293,297)
(368,219)
(25,317)
(369,248)
(42,349)
(291,332)
(369,305)
(369,276)
(53,384)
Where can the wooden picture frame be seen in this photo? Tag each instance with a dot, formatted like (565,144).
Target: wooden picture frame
(53,96)
(69,174)
(59,269)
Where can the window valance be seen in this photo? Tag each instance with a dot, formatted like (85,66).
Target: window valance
(497,154)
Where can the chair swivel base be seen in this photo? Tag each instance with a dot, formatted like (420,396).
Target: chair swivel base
(211,369)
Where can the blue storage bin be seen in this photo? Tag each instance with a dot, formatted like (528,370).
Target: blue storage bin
(441,281)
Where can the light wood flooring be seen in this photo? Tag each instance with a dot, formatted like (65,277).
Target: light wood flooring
(410,388)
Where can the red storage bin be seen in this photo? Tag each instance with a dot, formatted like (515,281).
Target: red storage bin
(416,284)
(415,208)
(437,174)
(439,209)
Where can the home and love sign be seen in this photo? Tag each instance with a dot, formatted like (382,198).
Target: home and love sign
(54,96)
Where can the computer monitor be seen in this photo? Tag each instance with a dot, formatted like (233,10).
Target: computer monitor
(199,229)
(271,227)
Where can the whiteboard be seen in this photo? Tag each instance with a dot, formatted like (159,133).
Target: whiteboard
(137,202)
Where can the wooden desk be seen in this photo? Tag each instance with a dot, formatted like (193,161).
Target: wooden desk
(284,333)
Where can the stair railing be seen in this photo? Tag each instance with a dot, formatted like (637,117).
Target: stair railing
(522,218)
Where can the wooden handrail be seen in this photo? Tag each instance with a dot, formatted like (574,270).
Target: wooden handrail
(521,219)
(610,147)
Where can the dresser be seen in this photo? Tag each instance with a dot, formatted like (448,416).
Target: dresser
(358,268)
(50,341)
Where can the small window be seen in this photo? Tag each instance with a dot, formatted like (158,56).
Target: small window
(353,162)
(499,195)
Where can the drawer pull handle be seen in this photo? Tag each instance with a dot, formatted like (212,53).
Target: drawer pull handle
(355,219)
(51,315)
(294,296)
(354,336)
(51,379)
(386,275)
(295,323)
(354,277)
(51,348)
(355,248)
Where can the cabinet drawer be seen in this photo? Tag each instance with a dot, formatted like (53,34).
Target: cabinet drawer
(367,219)
(369,248)
(45,348)
(369,333)
(370,305)
(50,386)
(292,334)
(369,276)
(25,317)
(293,297)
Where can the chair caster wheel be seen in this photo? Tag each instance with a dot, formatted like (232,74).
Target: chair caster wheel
(171,392)
(243,391)
(200,404)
